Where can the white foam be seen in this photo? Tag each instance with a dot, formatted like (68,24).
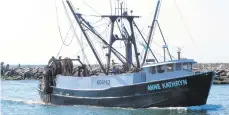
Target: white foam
(205,107)
(23,101)
(169,108)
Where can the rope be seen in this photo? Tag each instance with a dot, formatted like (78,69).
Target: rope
(64,42)
(186,27)
(57,18)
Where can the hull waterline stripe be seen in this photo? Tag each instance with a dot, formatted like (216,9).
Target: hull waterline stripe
(137,95)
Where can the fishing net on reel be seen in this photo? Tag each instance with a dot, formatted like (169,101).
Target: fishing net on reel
(67,67)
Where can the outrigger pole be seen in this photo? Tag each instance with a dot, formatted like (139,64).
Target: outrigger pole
(88,40)
(151,30)
(163,39)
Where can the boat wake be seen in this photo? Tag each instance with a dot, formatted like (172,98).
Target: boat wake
(192,108)
(30,101)
(170,108)
(205,107)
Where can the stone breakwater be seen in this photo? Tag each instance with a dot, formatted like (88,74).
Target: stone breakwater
(23,73)
(221,69)
(37,72)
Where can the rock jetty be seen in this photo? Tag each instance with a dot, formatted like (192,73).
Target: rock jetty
(221,69)
(22,73)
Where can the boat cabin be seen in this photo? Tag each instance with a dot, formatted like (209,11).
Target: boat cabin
(153,72)
(169,69)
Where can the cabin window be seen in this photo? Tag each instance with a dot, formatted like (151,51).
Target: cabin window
(178,66)
(169,67)
(185,66)
(160,69)
(189,66)
(152,70)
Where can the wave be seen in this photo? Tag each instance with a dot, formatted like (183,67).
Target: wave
(23,101)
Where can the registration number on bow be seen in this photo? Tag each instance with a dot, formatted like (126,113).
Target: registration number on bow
(103,82)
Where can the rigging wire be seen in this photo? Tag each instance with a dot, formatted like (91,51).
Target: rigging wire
(152,40)
(97,26)
(96,16)
(97,21)
(93,10)
(64,42)
(74,32)
(81,50)
(57,19)
(186,27)
(91,7)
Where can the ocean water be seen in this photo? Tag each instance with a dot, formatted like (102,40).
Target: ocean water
(21,98)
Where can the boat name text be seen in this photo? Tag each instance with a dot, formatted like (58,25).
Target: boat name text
(166,85)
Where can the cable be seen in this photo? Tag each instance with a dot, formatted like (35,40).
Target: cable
(74,31)
(184,22)
(91,7)
(64,42)
(152,40)
(57,18)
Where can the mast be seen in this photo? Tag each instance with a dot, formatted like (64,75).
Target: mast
(90,44)
(128,48)
(111,42)
(151,30)
(134,41)
(130,40)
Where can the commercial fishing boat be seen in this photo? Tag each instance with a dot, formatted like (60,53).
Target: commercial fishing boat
(151,83)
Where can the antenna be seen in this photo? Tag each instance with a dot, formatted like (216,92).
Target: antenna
(121,9)
(111,6)
(126,7)
(179,52)
(118,7)
(164,47)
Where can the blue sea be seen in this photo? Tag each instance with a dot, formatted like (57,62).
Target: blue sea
(21,98)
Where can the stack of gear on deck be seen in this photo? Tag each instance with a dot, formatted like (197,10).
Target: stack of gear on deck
(67,66)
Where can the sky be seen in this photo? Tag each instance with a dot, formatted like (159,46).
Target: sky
(29,28)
